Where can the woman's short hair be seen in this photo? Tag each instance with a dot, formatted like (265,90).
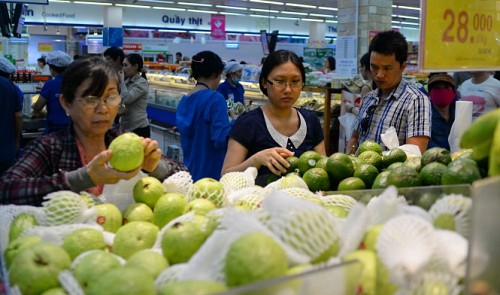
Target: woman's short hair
(96,68)
(331,63)
(276,59)
(206,64)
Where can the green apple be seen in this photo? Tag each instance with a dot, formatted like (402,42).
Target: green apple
(133,237)
(55,291)
(94,265)
(208,188)
(367,283)
(82,240)
(36,268)
(371,236)
(150,261)
(254,257)
(168,207)
(191,287)
(148,190)
(21,222)
(183,239)
(127,152)
(123,280)
(200,206)
(17,245)
(137,212)
(109,217)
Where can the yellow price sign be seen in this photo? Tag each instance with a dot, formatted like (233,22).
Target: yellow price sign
(460,34)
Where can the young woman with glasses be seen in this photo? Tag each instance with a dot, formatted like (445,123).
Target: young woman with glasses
(77,158)
(266,136)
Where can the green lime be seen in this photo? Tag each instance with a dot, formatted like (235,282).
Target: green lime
(371,157)
(369,145)
(394,165)
(317,179)
(403,176)
(395,155)
(463,153)
(432,172)
(272,178)
(322,163)
(351,184)
(464,171)
(414,162)
(367,173)
(355,161)
(381,180)
(436,155)
(294,164)
(308,160)
(339,166)
(426,200)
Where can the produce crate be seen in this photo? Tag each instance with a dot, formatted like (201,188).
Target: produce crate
(330,280)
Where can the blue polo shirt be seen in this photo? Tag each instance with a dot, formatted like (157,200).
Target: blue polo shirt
(441,128)
(56,116)
(229,90)
(10,105)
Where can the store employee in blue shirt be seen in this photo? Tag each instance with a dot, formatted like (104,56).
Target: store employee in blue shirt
(49,96)
(231,89)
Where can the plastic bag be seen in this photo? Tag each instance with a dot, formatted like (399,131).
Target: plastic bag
(348,121)
(121,193)
(391,141)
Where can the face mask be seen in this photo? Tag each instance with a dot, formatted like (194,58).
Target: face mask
(442,97)
(236,80)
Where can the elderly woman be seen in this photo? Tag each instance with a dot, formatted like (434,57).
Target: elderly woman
(77,158)
(264,137)
(231,89)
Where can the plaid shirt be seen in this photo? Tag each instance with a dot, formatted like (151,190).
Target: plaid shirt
(407,109)
(41,169)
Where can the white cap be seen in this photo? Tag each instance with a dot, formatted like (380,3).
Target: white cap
(6,66)
(232,67)
(58,59)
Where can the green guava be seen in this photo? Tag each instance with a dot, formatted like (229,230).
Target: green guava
(127,152)
(148,190)
(123,280)
(82,240)
(150,261)
(168,207)
(22,222)
(200,206)
(133,237)
(93,266)
(137,212)
(109,217)
(17,245)
(192,287)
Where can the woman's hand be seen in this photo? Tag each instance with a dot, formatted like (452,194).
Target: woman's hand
(101,173)
(152,154)
(274,159)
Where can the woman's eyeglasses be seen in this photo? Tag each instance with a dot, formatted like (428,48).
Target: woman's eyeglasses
(281,85)
(93,101)
(365,122)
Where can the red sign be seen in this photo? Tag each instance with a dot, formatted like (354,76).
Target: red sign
(218,26)
(132,47)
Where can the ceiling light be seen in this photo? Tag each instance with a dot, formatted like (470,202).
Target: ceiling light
(203,11)
(288,18)
(409,7)
(133,6)
(91,3)
(331,21)
(260,15)
(199,32)
(293,12)
(264,10)
(328,8)
(312,20)
(61,1)
(230,13)
(156,1)
(231,7)
(172,31)
(408,16)
(301,5)
(267,2)
(195,4)
(168,8)
(321,15)
(300,37)
(408,23)
(249,34)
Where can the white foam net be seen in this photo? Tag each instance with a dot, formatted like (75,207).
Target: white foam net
(179,182)
(171,274)
(233,181)
(7,214)
(65,207)
(55,234)
(343,201)
(457,206)
(218,197)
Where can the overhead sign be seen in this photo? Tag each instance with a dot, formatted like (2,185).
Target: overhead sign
(459,35)
(44,2)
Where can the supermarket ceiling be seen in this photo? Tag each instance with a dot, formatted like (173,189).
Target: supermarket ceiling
(405,13)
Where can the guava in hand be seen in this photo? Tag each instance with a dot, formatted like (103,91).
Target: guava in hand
(127,152)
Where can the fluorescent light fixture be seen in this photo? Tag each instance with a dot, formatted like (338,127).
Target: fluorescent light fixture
(394,6)
(133,5)
(331,21)
(199,32)
(321,15)
(195,4)
(395,22)
(231,7)
(313,20)
(203,11)
(92,3)
(60,1)
(267,2)
(409,7)
(157,1)
(411,28)
(250,34)
(264,10)
(408,23)
(293,12)
(231,45)
(408,16)
(300,5)
(172,31)
(260,15)
(300,37)
(283,36)
(328,8)
(231,13)
(168,8)
(288,18)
